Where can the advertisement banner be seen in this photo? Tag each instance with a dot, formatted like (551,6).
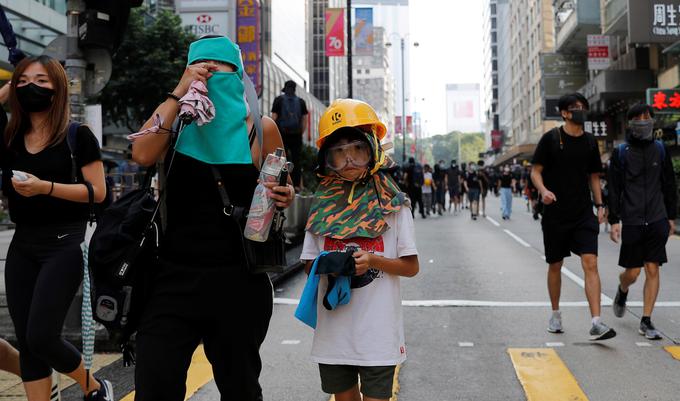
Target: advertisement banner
(496,139)
(599,57)
(363,32)
(654,21)
(409,124)
(335,32)
(397,125)
(248,38)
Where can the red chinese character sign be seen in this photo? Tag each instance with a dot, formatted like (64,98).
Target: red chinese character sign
(248,38)
(598,52)
(664,100)
(335,32)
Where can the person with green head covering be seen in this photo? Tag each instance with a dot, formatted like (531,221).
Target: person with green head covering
(200,291)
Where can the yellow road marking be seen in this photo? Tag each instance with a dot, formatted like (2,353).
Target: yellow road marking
(674,351)
(395,385)
(199,374)
(544,376)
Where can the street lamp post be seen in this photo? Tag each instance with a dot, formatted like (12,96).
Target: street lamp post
(402,40)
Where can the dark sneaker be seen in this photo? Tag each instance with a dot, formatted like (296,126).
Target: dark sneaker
(105,393)
(619,305)
(555,324)
(601,331)
(649,331)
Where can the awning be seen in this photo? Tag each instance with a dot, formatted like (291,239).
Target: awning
(522,152)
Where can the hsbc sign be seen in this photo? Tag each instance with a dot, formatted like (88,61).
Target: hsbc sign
(206,22)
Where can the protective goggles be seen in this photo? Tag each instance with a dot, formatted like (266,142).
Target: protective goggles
(356,153)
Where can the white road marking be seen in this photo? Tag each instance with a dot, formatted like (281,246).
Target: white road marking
(516,238)
(431,261)
(494,222)
(496,304)
(466,345)
(290,342)
(643,344)
(551,345)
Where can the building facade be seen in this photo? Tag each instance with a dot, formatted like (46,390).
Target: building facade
(490,58)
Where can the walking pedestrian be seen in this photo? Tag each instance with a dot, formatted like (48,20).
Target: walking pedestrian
(201,290)
(463,189)
(361,341)
(290,113)
(473,187)
(484,183)
(428,190)
(439,177)
(643,204)
(415,178)
(453,184)
(44,261)
(566,169)
(506,183)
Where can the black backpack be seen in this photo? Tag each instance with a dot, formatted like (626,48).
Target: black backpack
(291,113)
(418,175)
(123,246)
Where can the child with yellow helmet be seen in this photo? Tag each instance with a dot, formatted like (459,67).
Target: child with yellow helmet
(358,209)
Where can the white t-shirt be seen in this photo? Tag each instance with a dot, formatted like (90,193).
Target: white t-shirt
(427,183)
(369,331)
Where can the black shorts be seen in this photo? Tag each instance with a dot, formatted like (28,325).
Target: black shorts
(376,381)
(642,244)
(561,239)
(454,191)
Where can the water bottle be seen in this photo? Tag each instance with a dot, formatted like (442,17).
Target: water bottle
(262,208)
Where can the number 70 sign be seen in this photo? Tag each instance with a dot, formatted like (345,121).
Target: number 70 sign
(335,32)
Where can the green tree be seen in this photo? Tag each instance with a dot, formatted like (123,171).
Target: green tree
(148,64)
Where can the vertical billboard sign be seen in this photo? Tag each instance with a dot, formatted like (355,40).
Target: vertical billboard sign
(653,21)
(335,32)
(409,125)
(598,52)
(363,31)
(248,37)
(397,125)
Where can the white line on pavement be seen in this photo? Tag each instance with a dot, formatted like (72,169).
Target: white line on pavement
(466,345)
(494,222)
(496,304)
(516,238)
(290,342)
(551,345)
(643,344)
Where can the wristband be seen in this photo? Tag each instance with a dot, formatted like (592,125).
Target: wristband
(51,188)
(173,96)
(598,205)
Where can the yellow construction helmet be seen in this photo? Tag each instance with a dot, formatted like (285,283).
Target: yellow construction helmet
(349,113)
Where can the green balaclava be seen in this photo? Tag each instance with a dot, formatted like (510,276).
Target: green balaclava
(224,140)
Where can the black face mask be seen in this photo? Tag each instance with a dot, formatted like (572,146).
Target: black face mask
(578,117)
(34,98)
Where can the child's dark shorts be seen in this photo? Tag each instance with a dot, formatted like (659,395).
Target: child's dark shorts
(376,381)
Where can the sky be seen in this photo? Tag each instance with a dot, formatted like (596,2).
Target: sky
(449,33)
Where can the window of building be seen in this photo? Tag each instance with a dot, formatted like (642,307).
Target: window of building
(493,9)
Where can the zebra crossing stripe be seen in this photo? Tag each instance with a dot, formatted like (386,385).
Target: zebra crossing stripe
(544,376)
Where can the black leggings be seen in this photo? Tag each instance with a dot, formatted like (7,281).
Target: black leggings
(42,274)
(229,312)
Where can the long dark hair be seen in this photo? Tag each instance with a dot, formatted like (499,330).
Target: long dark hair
(59,112)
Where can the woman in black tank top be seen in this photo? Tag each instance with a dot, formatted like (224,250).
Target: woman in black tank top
(201,291)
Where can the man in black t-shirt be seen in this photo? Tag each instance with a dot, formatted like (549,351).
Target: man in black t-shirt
(566,169)
(290,113)
(473,187)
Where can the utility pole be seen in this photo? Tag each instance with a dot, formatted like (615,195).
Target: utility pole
(75,65)
(349,48)
(403,107)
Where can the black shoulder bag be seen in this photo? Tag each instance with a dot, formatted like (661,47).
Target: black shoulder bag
(268,256)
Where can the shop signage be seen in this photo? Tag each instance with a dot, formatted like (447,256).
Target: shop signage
(664,101)
(654,21)
(248,37)
(598,52)
(597,128)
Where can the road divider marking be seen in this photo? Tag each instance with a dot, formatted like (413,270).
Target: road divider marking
(606,301)
(290,342)
(494,222)
(643,344)
(544,376)
(579,281)
(552,345)
(198,375)
(466,345)
(674,350)
(516,238)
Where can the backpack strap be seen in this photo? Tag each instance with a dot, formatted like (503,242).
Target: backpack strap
(253,105)
(557,138)
(623,151)
(662,150)
(72,142)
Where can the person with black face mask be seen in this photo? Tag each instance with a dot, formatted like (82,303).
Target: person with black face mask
(642,198)
(44,261)
(453,183)
(566,173)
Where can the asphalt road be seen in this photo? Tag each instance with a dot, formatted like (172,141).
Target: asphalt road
(460,352)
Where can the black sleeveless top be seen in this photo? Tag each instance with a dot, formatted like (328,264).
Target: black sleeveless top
(197,233)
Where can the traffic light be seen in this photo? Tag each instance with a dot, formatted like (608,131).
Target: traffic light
(103,23)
